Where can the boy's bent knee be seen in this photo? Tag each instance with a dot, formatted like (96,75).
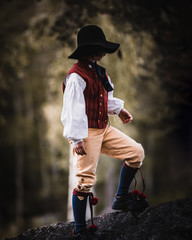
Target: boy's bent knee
(137,158)
(140,153)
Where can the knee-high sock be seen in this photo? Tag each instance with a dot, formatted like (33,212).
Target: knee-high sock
(126,177)
(79,211)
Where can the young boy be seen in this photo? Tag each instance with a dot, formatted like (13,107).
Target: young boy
(88,99)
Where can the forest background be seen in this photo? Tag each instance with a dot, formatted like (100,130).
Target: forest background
(152,73)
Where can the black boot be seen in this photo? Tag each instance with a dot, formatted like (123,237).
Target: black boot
(85,234)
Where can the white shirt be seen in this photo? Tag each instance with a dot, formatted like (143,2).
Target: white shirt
(73,116)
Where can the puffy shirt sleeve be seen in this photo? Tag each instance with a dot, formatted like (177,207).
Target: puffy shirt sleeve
(114,104)
(73,116)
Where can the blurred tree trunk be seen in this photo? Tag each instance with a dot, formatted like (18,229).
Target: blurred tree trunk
(19,186)
(71,185)
(45,178)
(19,156)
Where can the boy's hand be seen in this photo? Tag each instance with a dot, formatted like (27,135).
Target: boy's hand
(125,116)
(80,148)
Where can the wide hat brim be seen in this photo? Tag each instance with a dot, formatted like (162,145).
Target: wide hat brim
(108,47)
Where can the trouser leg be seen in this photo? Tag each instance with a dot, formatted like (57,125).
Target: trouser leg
(118,145)
(85,172)
(85,166)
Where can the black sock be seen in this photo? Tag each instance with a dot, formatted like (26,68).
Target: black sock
(126,177)
(79,211)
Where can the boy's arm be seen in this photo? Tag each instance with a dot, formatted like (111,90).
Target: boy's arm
(116,106)
(73,115)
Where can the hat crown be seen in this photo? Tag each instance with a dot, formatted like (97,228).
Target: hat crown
(90,34)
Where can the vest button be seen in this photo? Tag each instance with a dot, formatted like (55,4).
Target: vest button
(100,104)
(99,121)
(101,95)
(100,113)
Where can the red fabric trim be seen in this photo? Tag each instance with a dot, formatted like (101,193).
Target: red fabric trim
(125,165)
(63,87)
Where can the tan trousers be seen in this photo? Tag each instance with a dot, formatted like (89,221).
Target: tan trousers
(111,142)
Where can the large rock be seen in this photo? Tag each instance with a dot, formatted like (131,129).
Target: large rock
(172,220)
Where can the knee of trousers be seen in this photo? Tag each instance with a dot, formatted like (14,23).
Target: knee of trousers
(84,183)
(137,157)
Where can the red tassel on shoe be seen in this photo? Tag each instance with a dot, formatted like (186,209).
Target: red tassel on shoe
(137,192)
(93,228)
(94,200)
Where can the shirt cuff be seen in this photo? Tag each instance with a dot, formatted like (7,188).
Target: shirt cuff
(119,110)
(76,141)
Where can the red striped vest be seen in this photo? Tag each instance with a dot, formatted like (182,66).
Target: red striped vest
(96,97)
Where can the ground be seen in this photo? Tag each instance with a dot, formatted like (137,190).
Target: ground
(172,220)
